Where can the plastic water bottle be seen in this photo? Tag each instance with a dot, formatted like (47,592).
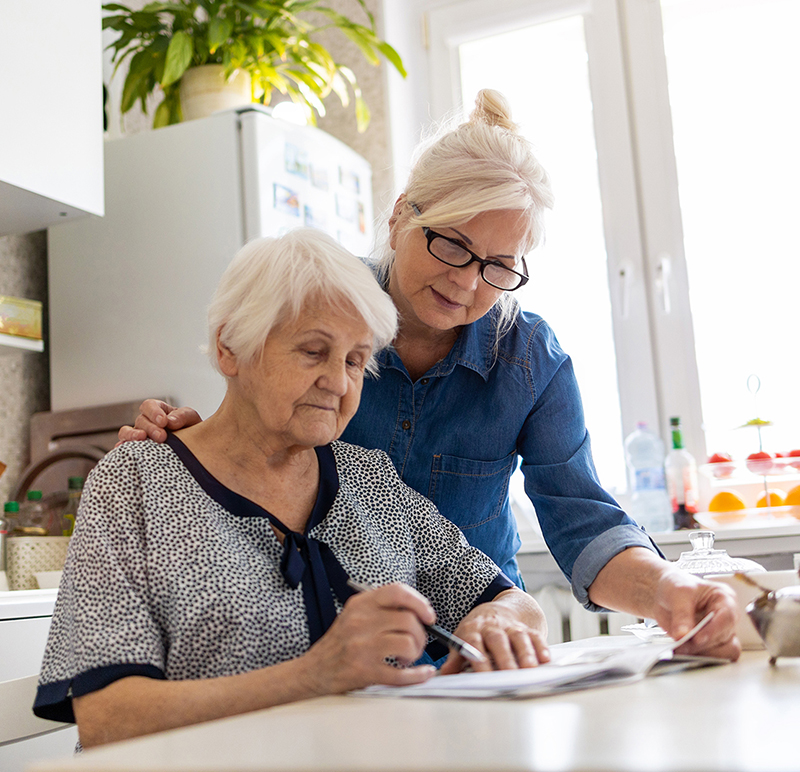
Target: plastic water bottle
(649,502)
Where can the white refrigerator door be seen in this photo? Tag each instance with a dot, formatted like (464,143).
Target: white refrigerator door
(129,291)
(299,175)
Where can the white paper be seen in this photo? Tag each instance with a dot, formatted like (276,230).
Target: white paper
(569,670)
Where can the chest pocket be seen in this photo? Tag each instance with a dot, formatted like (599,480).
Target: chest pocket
(470,493)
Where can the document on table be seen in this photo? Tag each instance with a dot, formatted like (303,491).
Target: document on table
(569,670)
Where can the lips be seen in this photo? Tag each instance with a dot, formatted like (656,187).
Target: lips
(445,301)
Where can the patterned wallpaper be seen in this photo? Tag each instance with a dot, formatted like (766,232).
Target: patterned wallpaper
(24,376)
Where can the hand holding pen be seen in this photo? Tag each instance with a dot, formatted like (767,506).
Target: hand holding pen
(454,643)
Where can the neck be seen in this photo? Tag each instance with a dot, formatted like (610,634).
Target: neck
(419,345)
(236,450)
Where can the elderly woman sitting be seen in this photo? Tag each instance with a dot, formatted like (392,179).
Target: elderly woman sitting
(208,576)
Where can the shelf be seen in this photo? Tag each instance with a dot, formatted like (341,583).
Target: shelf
(9,343)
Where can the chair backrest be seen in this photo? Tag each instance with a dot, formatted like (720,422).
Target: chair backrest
(17,721)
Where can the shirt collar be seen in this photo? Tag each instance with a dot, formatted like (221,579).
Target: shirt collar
(473,349)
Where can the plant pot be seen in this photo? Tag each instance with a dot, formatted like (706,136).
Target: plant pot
(204,91)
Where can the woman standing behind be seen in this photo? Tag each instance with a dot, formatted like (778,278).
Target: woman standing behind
(472,384)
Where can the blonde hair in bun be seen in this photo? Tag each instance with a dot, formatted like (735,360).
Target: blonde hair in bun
(492,108)
(481,165)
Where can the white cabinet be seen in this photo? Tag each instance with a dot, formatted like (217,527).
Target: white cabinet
(51,108)
(24,624)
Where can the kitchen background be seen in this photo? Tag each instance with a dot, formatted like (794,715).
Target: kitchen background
(25,378)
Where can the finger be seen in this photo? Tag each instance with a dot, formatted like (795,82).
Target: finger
(394,676)
(455,663)
(129,434)
(498,648)
(156,411)
(183,416)
(364,619)
(402,645)
(402,596)
(147,428)
(682,615)
(529,649)
(729,649)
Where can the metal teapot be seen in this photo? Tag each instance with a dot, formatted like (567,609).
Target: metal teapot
(776,616)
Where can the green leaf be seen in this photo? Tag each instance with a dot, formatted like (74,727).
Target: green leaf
(162,114)
(114,22)
(359,40)
(362,114)
(219,30)
(393,57)
(339,88)
(179,56)
(131,90)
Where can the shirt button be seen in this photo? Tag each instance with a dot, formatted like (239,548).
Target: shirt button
(406,425)
(425,381)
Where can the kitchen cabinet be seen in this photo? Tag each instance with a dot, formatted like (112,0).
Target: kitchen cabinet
(51,132)
(24,624)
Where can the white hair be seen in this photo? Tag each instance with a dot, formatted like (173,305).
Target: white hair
(270,279)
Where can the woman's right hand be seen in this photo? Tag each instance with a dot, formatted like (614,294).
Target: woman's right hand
(384,622)
(153,416)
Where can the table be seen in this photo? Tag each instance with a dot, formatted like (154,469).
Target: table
(741,717)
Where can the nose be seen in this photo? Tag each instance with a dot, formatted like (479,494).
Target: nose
(467,278)
(334,378)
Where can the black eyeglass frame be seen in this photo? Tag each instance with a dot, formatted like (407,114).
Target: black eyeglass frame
(430,235)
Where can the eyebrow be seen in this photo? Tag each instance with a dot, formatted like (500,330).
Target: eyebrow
(329,336)
(466,238)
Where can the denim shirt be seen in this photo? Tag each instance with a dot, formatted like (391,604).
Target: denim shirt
(458,432)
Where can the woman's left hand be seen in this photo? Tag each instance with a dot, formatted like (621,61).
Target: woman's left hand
(510,631)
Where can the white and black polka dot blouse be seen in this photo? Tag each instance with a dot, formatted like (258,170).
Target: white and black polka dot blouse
(172,575)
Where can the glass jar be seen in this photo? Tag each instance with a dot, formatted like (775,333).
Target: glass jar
(704,559)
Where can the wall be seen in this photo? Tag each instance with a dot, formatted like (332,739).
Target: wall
(24,376)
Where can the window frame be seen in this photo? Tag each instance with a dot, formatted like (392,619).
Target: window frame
(648,282)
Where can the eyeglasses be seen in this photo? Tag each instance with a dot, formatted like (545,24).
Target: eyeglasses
(493,272)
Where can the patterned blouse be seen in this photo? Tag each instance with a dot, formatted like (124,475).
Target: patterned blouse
(171,575)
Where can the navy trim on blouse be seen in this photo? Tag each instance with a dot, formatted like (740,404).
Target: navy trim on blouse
(306,562)
(54,700)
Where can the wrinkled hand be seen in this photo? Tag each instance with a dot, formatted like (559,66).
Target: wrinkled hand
(384,622)
(154,415)
(682,600)
(497,632)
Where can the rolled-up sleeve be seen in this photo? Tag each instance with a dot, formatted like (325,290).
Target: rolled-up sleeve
(583,526)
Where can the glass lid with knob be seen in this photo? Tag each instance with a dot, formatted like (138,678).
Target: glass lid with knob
(704,559)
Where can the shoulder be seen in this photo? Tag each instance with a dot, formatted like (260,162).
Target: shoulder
(135,458)
(530,342)
(351,458)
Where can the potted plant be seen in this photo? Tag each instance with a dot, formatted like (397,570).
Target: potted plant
(272,43)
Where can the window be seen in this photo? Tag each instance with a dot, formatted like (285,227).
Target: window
(682,120)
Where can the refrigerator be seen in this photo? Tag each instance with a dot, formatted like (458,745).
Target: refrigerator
(128,292)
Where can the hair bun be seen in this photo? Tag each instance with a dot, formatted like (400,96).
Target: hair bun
(493,109)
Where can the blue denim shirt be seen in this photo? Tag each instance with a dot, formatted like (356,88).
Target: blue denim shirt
(458,432)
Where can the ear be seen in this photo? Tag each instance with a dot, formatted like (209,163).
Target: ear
(396,212)
(226,359)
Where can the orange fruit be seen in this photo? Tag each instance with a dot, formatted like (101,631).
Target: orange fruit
(775,499)
(726,501)
(793,497)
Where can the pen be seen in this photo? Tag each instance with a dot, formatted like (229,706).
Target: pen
(453,642)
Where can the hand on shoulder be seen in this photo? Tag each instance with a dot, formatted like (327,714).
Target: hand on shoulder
(154,417)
